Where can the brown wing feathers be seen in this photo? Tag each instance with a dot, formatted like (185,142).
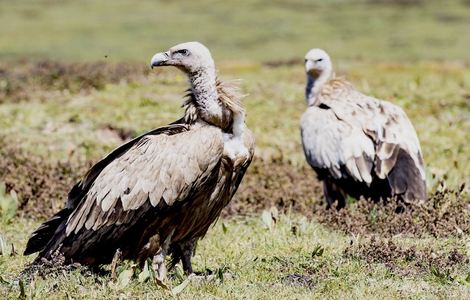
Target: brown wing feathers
(44,233)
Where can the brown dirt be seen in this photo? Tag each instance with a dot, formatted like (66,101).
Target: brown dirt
(278,183)
(300,270)
(274,182)
(283,62)
(407,261)
(446,213)
(42,186)
(297,279)
(27,80)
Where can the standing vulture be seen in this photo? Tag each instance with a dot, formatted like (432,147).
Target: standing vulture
(357,145)
(158,194)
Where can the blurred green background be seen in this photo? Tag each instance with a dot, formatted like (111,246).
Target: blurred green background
(252,30)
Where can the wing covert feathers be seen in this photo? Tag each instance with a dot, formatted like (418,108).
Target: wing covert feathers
(157,168)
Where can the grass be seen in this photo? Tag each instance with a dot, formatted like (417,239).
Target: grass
(415,55)
(262,264)
(257,30)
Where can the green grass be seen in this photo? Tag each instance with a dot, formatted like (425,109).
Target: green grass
(257,261)
(415,56)
(251,31)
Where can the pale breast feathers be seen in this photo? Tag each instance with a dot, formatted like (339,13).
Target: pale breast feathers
(157,168)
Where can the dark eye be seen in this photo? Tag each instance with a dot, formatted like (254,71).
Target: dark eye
(183,52)
(318,60)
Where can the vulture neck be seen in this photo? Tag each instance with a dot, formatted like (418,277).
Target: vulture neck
(204,89)
(315,83)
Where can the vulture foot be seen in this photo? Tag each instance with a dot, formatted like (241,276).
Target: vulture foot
(158,263)
(117,258)
(159,268)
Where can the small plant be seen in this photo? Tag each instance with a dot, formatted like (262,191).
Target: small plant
(6,248)
(8,204)
(318,251)
(442,277)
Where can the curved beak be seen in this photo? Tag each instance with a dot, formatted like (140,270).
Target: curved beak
(308,65)
(160,59)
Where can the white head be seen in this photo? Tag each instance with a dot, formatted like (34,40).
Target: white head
(319,69)
(317,62)
(191,57)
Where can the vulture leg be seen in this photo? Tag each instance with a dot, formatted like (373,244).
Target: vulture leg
(158,266)
(158,262)
(333,193)
(117,258)
(187,250)
(183,251)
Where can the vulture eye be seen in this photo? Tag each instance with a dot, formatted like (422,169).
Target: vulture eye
(183,52)
(318,60)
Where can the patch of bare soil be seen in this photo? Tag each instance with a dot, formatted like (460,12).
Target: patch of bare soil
(446,213)
(122,134)
(304,271)
(274,182)
(42,185)
(22,81)
(278,183)
(283,63)
(298,280)
(407,261)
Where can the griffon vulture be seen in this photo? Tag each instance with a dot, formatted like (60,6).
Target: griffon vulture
(158,194)
(357,145)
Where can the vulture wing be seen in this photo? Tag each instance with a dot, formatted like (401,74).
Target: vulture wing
(165,166)
(385,124)
(336,145)
(44,233)
(364,137)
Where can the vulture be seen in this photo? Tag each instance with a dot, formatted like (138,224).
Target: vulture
(359,146)
(158,194)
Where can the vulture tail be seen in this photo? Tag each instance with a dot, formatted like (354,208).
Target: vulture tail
(405,179)
(41,237)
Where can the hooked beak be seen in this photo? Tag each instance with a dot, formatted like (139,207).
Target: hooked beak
(160,59)
(308,65)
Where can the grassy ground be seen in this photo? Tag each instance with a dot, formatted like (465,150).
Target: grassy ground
(254,30)
(57,117)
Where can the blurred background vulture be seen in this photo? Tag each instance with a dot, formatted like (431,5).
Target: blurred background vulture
(159,193)
(357,145)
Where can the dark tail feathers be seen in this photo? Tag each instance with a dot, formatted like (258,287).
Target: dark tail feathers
(405,179)
(45,232)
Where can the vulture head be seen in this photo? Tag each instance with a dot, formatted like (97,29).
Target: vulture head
(317,62)
(319,70)
(191,57)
